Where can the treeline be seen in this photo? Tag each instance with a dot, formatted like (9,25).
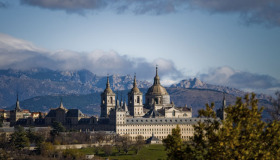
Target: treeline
(44,140)
(241,135)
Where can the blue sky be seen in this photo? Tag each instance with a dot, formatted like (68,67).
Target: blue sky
(221,42)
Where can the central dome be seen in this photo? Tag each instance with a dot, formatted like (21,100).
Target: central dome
(156,88)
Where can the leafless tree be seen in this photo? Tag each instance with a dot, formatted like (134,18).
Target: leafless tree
(126,143)
(99,137)
(139,143)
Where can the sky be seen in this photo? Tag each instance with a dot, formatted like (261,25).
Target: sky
(223,42)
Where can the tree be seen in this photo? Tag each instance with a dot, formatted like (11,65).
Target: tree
(205,136)
(57,127)
(108,150)
(118,143)
(18,139)
(174,144)
(139,143)
(72,154)
(96,149)
(46,149)
(34,138)
(99,136)
(274,110)
(126,143)
(242,135)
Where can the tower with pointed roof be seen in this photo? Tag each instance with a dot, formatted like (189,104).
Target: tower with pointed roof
(16,113)
(135,102)
(157,95)
(18,109)
(107,100)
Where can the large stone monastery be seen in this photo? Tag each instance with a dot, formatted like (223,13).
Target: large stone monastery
(154,118)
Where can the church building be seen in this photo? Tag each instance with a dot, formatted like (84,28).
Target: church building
(157,116)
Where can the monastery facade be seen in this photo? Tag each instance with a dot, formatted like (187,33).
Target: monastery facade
(157,116)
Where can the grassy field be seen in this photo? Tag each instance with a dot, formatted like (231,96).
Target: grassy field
(148,152)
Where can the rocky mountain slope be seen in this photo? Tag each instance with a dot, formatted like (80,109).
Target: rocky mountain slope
(196,83)
(40,82)
(41,89)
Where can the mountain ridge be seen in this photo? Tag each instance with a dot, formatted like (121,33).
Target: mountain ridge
(39,83)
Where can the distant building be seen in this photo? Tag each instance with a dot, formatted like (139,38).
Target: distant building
(17,113)
(56,114)
(68,117)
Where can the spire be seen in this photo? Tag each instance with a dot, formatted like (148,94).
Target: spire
(107,84)
(134,83)
(117,100)
(17,105)
(61,105)
(224,101)
(156,70)
(135,89)
(156,79)
(108,89)
(121,100)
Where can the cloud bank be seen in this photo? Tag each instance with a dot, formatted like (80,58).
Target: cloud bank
(20,54)
(251,82)
(23,55)
(251,11)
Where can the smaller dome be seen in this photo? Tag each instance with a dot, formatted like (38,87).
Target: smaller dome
(108,89)
(135,89)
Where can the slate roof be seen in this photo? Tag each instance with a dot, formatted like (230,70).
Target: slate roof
(153,138)
(52,113)
(152,114)
(84,121)
(163,120)
(183,108)
(74,113)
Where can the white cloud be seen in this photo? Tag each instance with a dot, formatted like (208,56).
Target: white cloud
(20,54)
(246,81)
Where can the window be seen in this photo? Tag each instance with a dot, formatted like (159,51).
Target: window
(156,100)
(173,113)
(138,99)
(111,99)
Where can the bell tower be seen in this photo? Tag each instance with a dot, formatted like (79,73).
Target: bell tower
(135,101)
(107,100)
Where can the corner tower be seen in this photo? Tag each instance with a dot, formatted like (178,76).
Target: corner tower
(107,100)
(135,102)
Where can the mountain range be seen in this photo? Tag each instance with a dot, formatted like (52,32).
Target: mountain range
(41,89)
